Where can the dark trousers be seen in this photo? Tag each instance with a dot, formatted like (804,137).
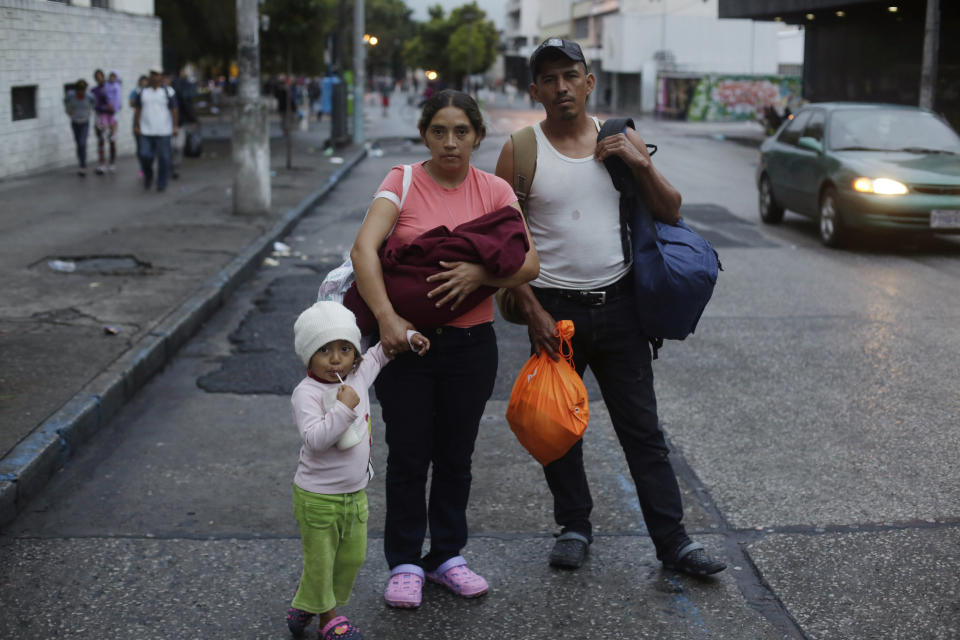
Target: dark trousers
(432,408)
(159,147)
(607,339)
(80,132)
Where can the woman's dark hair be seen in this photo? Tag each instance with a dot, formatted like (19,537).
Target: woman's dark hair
(100,71)
(451,98)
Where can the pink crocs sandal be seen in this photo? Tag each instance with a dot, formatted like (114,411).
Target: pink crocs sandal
(404,590)
(456,576)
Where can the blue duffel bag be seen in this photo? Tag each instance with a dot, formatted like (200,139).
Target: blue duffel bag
(674,269)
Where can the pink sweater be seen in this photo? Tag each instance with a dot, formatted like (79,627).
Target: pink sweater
(323,468)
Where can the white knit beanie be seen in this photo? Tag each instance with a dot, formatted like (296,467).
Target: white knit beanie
(322,323)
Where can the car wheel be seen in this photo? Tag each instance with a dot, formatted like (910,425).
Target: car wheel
(770,211)
(831,221)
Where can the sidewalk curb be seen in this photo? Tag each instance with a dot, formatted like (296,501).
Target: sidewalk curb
(27,468)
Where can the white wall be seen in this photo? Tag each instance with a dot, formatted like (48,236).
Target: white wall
(790,45)
(709,9)
(140,7)
(698,44)
(554,18)
(49,44)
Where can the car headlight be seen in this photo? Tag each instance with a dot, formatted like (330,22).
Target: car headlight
(880,186)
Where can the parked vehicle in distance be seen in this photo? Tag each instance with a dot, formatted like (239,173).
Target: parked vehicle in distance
(862,167)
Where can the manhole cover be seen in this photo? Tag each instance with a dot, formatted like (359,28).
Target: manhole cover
(103,265)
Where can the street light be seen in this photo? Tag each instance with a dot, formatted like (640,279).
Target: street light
(432,75)
(371,40)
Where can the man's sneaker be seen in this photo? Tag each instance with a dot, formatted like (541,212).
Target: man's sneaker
(693,560)
(101,170)
(569,551)
(404,590)
(298,620)
(82,172)
(112,168)
(456,576)
(147,183)
(340,629)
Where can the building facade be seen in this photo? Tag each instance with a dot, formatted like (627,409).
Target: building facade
(649,55)
(45,47)
(865,50)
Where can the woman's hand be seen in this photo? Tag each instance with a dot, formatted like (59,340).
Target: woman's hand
(393,334)
(458,281)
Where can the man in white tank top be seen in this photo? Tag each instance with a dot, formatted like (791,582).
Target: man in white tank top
(585,276)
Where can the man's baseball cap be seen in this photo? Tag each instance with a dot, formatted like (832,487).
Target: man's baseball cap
(568,48)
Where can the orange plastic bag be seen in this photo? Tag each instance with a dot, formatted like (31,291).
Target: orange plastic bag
(548,409)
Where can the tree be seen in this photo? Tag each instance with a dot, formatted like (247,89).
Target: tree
(200,31)
(452,45)
(297,35)
(391,22)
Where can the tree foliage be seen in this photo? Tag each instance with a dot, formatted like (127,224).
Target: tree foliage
(297,35)
(199,31)
(463,42)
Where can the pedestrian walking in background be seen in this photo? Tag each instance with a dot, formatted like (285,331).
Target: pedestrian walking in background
(132,99)
(105,123)
(326,94)
(78,104)
(573,211)
(155,120)
(453,382)
(331,408)
(115,96)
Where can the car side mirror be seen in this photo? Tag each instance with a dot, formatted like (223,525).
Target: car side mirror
(812,144)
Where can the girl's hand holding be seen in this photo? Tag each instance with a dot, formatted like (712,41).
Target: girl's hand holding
(458,281)
(348,396)
(420,343)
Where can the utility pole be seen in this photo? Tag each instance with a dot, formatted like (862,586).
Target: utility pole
(931,50)
(359,69)
(251,142)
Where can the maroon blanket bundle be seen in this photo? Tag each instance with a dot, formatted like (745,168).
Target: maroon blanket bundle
(496,240)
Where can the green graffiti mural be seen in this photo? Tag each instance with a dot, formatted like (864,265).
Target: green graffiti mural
(725,98)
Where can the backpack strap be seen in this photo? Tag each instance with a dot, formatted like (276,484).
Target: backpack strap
(407,179)
(524,164)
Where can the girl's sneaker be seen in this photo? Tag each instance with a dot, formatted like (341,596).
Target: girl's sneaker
(340,629)
(298,620)
(456,576)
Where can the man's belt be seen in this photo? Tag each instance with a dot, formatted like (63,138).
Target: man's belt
(592,297)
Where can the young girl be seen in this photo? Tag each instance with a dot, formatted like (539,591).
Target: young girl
(331,408)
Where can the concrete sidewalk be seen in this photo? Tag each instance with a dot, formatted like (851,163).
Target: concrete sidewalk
(150,269)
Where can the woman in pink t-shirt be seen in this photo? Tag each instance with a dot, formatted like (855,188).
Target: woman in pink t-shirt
(453,382)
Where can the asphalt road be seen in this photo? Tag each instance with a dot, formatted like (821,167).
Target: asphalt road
(813,421)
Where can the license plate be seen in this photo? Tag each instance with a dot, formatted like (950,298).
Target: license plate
(945,219)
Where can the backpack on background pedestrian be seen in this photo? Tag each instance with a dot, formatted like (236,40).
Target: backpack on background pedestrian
(573,212)
(78,104)
(331,409)
(155,120)
(105,123)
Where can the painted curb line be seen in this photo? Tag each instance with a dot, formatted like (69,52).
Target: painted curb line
(26,469)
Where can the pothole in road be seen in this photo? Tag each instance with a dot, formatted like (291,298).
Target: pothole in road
(110,265)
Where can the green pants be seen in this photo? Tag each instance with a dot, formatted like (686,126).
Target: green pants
(333,531)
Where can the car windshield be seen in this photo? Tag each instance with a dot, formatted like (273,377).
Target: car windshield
(891,130)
